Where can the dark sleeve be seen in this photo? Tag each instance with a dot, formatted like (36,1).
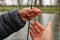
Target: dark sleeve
(10,23)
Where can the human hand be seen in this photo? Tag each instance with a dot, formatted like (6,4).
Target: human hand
(28,13)
(38,32)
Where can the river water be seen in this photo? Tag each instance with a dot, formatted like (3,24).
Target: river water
(43,19)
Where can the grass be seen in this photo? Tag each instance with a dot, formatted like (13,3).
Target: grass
(49,9)
(44,9)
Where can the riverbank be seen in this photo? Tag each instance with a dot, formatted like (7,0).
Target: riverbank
(44,9)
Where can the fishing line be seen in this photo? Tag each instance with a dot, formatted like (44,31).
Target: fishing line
(29,22)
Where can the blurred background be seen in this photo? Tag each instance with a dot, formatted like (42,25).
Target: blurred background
(50,12)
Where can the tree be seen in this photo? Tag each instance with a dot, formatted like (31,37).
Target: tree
(35,3)
(58,2)
(2,2)
(28,1)
(20,2)
(40,2)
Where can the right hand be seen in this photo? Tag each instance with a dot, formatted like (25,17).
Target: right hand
(28,14)
(38,32)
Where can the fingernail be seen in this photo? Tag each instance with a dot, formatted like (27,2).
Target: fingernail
(39,12)
(33,24)
(36,22)
(49,24)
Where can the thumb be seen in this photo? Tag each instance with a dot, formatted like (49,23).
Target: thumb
(49,27)
(49,24)
(49,30)
(47,33)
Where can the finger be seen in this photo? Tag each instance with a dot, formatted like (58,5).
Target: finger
(32,34)
(36,29)
(49,24)
(39,11)
(36,11)
(39,26)
(48,30)
(33,12)
(32,29)
(31,16)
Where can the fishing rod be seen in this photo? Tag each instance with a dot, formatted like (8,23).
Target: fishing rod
(29,22)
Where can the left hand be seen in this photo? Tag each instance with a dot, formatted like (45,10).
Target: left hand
(28,13)
(38,32)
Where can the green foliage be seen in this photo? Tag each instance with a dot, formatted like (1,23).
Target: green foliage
(44,9)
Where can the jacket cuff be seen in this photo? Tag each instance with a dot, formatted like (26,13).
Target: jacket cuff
(14,16)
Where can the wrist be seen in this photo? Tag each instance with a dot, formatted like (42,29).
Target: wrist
(24,19)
